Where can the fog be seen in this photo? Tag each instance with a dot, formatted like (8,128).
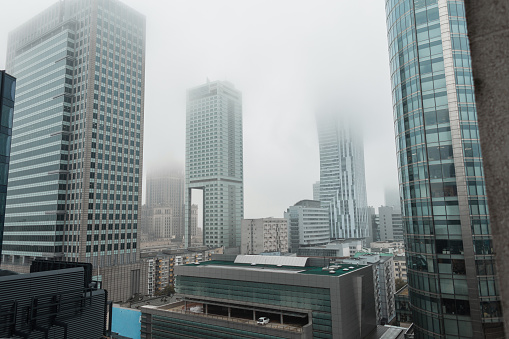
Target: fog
(286,57)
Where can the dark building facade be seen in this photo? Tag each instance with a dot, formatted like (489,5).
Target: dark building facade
(7,96)
(52,304)
(224,299)
(453,286)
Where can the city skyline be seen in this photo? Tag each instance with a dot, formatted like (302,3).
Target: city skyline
(253,58)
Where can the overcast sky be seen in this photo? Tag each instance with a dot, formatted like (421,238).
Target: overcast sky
(283,55)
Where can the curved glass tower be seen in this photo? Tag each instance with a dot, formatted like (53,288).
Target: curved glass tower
(450,259)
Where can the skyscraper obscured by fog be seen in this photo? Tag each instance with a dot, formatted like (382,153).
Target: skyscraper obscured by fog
(450,258)
(165,191)
(76,163)
(214,161)
(342,178)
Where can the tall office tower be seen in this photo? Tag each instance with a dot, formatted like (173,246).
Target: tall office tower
(342,180)
(316,191)
(214,161)
(390,224)
(7,94)
(77,142)
(450,259)
(165,188)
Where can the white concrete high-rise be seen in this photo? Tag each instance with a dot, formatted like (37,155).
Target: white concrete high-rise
(214,161)
(342,179)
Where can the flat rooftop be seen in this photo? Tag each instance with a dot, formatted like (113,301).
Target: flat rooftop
(338,269)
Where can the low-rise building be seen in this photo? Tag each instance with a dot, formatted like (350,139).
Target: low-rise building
(52,303)
(384,283)
(400,271)
(336,249)
(295,296)
(264,235)
(161,264)
(403,311)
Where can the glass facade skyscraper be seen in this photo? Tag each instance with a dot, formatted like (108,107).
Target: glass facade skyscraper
(77,136)
(7,94)
(342,178)
(450,258)
(214,161)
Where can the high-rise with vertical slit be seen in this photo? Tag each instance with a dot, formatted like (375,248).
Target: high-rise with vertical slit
(214,154)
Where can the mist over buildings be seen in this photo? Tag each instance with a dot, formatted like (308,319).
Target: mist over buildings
(285,57)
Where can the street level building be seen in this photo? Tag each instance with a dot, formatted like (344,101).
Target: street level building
(453,285)
(226,296)
(77,139)
(214,162)
(264,235)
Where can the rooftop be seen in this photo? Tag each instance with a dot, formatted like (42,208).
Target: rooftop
(338,269)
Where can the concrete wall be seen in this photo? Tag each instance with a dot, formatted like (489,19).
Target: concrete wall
(488,31)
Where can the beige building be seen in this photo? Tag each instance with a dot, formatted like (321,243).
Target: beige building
(264,235)
(160,265)
(162,222)
(400,271)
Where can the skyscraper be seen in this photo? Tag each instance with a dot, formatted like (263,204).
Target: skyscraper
(77,142)
(450,259)
(342,180)
(7,94)
(214,154)
(165,188)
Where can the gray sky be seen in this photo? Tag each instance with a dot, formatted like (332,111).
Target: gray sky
(283,55)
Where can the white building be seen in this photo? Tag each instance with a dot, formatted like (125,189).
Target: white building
(214,161)
(308,223)
(390,223)
(343,248)
(264,235)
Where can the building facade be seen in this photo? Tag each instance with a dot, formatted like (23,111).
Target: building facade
(224,298)
(214,162)
(161,264)
(384,283)
(453,286)
(77,140)
(308,224)
(165,189)
(7,96)
(264,235)
(335,249)
(316,191)
(342,179)
(390,224)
